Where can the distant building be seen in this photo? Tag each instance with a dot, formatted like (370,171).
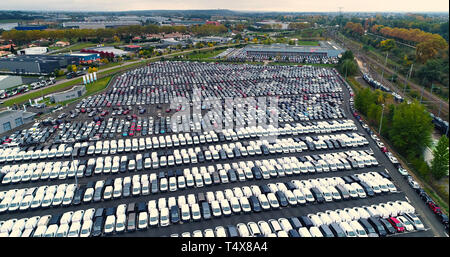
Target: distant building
(36,64)
(213,23)
(132,48)
(85,58)
(10,81)
(62,44)
(10,119)
(33,50)
(31,27)
(105,50)
(8,26)
(213,39)
(325,49)
(99,24)
(73,93)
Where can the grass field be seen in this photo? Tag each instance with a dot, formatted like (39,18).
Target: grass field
(307,43)
(205,55)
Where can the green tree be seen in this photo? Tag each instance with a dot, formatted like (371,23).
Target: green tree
(439,164)
(69,68)
(411,129)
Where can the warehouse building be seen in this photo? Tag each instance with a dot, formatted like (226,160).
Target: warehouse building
(10,81)
(10,119)
(74,92)
(33,51)
(325,49)
(99,24)
(85,58)
(36,64)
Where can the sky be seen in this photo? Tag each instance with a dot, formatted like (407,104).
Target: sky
(237,5)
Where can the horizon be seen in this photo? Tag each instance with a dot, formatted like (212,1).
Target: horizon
(233,10)
(280,6)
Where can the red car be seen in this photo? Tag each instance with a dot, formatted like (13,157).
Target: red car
(384,149)
(83,110)
(396,224)
(134,116)
(436,209)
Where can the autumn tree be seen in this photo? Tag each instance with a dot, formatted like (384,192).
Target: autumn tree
(388,44)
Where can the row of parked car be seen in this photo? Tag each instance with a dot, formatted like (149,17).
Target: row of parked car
(316,225)
(355,186)
(365,221)
(17,154)
(337,161)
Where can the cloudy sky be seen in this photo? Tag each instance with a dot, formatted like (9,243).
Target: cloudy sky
(245,5)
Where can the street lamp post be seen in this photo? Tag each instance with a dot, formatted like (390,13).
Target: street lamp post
(381,120)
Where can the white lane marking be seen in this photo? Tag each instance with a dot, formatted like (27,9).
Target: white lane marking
(446,234)
(407,199)
(386,170)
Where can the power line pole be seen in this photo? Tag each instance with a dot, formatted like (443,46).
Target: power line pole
(381,120)
(408,76)
(382,72)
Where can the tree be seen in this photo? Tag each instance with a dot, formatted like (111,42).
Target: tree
(439,164)
(69,68)
(388,44)
(411,129)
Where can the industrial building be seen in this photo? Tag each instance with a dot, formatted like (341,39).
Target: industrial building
(85,58)
(36,64)
(99,24)
(10,119)
(74,92)
(325,49)
(33,50)
(10,81)
(8,26)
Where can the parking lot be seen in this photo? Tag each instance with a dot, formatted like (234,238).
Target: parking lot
(145,166)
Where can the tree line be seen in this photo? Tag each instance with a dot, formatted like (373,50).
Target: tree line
(124,33)
(428,44)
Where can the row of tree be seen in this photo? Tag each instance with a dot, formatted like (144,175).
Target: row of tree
(428,45)
(355,28)
(75,35)
(407,126)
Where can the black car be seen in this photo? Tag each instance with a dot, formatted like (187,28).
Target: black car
(97,227)
(326,231)
(306,221)
(232,231)
(377,226)
(281,198)
(206,210)
(232,175)
(387,226)
(131,222)
(78,196)
(174,215)
(255,204)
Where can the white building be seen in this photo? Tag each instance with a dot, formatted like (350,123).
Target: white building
(9,81)
(33,50)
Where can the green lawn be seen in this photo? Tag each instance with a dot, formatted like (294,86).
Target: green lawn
(205,54)
(307,43)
